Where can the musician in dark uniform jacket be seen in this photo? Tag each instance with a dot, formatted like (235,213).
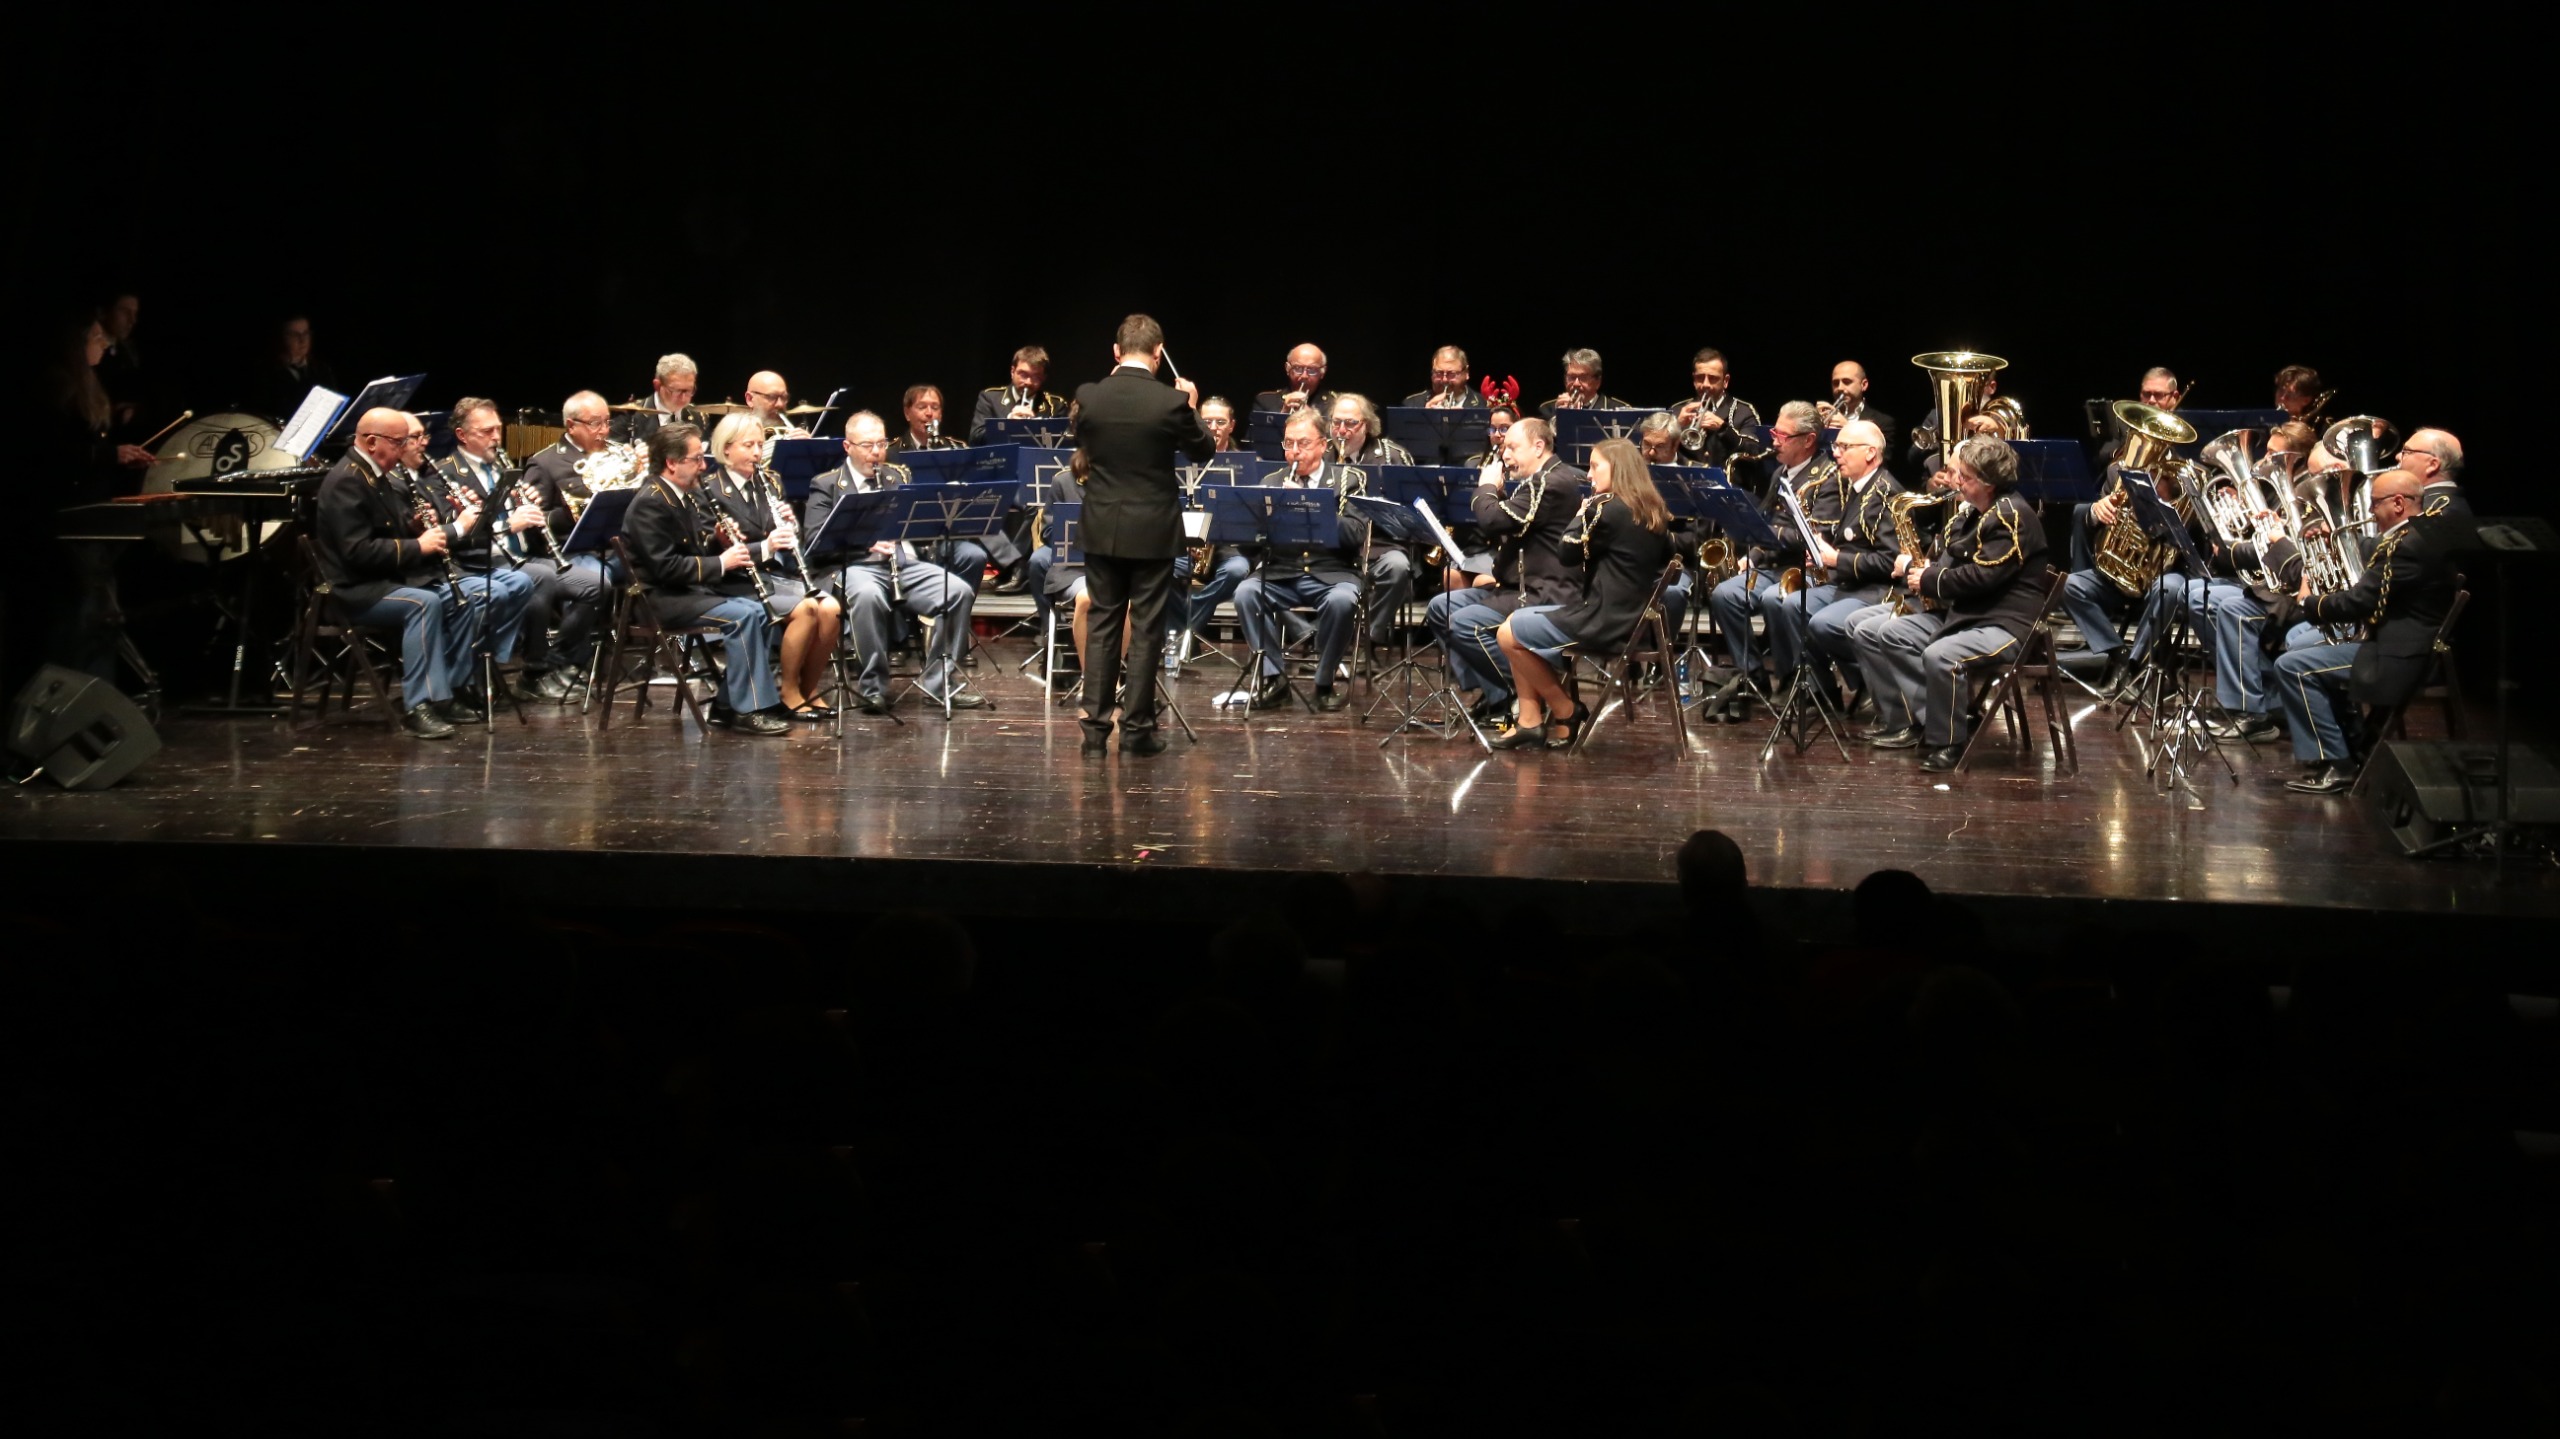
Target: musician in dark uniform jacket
(496,592)
(1581,387)
(1989,584)
(583,583)
(671,391)
(1129,426)
(693,577)
(2399,602)
(967,558)
(1020,398)
(1327,577)
(1859,549)
(753,502)
(383,571)
(1305,368)
(2435,457)
(1622,537)
(889,575)
(1817,484)
(514,527)
(1359,438)
(1712,419)
(1449,375)
(1525,523)
(1849,402)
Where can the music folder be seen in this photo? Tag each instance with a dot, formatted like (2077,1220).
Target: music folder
(1481,564)
(972,463)
(1438,437)
(1447,489)
(1679,485)
(1235,512)
(1227,467)
(600,521)
(313,421)
(1262,432)
(391,392)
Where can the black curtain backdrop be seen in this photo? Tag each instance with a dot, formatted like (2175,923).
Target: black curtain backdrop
(550,210)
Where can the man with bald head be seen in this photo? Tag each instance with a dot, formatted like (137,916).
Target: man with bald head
(569,590)
(2435,457)
(387,572)
(768,399)
(2397,606)
(1305,370)
(1849,402)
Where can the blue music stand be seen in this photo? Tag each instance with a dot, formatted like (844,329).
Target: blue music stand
(973,464)
(1262,429)
(1236,513)
(600,521)
(1438,437)
(2210,423)
(1447,489)
(1044,474)
(1578,430)
(1052,433)
(2054,470)
(1680,484)
(857,522)
(800,461)
(1229,467)
(1736,513)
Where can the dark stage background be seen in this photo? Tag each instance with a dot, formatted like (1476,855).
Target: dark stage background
(913,206)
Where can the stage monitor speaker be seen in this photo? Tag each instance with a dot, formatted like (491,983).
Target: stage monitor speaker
(81,729)
(2418,794)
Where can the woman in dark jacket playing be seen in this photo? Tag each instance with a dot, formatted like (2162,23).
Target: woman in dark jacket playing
(1624,534)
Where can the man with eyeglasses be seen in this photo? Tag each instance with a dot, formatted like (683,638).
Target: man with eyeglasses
(1305,370)
(890,575)
(1849,402)
(671,388)
(2399,603)
(511,537)
(1327,577)
(385,571)
(585,581)
(2096,605)
(1449,376)
(1582,377)
(1795,445)
(695,576)
(496,593)
(1358,439)
(1020,397)
(1713,419)
(921,407)
(2435,457)
(769,400)
(1989,581)
(1860,550)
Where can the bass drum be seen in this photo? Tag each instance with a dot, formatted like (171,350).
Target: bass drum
(210,446)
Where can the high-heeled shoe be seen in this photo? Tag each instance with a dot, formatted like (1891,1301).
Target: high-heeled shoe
(1572,723)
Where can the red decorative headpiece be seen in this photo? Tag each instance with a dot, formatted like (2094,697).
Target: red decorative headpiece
(1505,396)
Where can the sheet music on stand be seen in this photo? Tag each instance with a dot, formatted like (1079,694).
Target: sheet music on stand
(1303,519)
(312,422)
(1405,525)
(2158,519)
(600,521)
(1438,437)
(1236,512)
(391,392)
(2055,470)
(1052,433)
(1578,430)
(797,462)
(1447,488)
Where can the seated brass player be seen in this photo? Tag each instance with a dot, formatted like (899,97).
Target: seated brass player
(692,576)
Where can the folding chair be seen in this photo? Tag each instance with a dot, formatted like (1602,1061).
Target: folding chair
(2388,721)
(630,657)
(1997,695)
(1647,639)
(322,619)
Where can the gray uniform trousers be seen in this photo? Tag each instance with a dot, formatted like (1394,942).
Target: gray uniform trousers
(930,591)
(1926,665)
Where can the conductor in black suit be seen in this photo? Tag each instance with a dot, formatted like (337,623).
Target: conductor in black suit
(1129,425)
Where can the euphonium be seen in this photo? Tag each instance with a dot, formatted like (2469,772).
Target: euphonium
(2131,560)
(1955,381)
(2235,497)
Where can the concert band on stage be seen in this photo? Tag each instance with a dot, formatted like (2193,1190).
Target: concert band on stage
(2317,585)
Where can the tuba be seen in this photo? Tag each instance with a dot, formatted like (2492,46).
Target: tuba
(2131,560)
(1955,382)
(2368,445)
(2235,495)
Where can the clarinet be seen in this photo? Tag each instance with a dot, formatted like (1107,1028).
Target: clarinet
(524,494)
(781,517)
(428,519)
(727,528)
(501,543)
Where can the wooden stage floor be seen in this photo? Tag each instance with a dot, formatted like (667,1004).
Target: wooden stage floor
(1278,793)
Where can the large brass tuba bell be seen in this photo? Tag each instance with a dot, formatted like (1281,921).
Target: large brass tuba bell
(1955,379)
(2150,435)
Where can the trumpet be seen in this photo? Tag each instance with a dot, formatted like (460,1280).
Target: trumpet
(1571,399)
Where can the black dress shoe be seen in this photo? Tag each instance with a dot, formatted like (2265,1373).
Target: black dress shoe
(967,700)
(1907,737)
(871,704)
(1939,761)
(765,722)
(1520,737)
(1142,743)
(1330,699)
(1012,582)
(2331,780)
(2088,664)
(1490,709)
(1273,694)
(1096,744)
(422,722)
(463,708)
(544,687)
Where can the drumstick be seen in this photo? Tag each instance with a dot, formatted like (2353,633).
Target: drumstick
(165,429)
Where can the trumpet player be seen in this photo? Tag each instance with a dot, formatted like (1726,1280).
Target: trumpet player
(671,389)
(1581,386)
(473,469)
(921,407)
(769,400)
(792,592)
(1524,502)
(1712,419)
(2400,603)
(1849,402)
(889,575)
(1450,373)
(571,591)
(691,575)
(1989,582)
(1795,443)
(1022,396)
(1304,371)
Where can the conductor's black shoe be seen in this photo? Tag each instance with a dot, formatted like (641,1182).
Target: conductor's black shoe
(1939,761)
(1330,699)
(1142,742)
(463,708)
(1097,743)
(1907,737)
(2331,780)
(1273,694)
(422,722)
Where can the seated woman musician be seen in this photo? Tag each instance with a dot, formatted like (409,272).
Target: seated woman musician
(1624,535)
(750,497)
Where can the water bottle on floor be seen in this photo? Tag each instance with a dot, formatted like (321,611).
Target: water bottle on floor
(1685,695)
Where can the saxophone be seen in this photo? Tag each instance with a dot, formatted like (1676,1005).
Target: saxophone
(1908,539)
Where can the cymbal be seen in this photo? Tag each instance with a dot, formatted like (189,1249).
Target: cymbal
(806,410)
(723,407)
(633,408)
